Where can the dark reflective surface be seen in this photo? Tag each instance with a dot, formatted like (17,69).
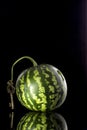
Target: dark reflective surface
(39,121)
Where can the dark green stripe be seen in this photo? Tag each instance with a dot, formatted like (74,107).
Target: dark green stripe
(35,77)
(20,92)
(46,70)
(43,85)
(26,118)
(32,123)
(54,101)
(35,85)
(26,89)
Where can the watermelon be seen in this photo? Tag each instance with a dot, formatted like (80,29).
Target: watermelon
(42,121)
(41,88)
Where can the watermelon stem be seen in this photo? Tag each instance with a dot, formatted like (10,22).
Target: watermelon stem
(24,57)
(11,91)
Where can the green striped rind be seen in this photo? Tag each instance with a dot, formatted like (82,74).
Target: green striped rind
(32,121)
(41,88)
(42,121)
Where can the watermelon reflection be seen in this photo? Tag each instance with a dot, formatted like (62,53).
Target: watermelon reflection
(42,121)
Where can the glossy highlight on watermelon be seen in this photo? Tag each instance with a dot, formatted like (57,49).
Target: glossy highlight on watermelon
(41,88)
(42,121)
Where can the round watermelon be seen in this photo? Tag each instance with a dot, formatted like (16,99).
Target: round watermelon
(42,121)
(41,88)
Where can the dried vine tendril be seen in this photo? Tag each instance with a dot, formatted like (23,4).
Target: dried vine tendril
(10,87)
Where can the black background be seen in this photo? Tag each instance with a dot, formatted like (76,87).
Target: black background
(62,45)
(7,8)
